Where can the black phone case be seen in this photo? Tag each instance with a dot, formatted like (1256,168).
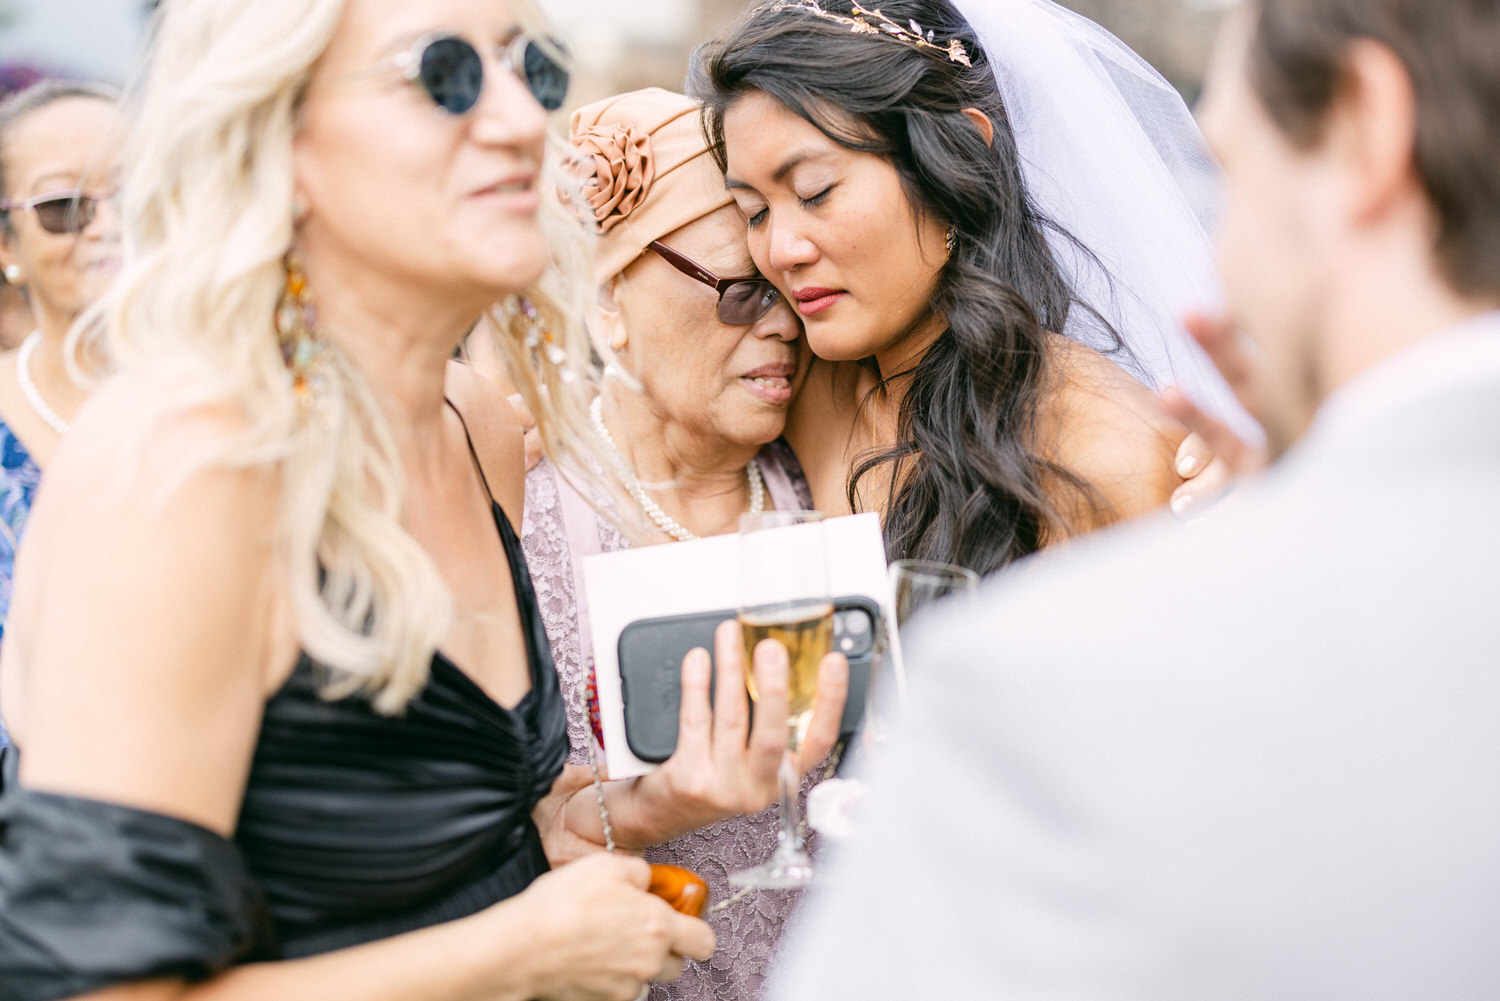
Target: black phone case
(651,652)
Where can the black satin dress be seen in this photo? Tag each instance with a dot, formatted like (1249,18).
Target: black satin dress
(354,827)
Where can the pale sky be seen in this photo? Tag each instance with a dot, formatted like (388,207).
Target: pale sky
(91,38)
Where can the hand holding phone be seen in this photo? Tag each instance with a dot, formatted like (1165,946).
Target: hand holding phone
(724,763)
(651,653)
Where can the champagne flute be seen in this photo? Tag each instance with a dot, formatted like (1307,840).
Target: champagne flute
(914,584)
(784,596)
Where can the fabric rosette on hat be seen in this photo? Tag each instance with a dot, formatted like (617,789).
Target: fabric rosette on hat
(616,163)
(645,171)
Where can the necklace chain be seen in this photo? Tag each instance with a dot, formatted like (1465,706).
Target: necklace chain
(653,510)
(28,388)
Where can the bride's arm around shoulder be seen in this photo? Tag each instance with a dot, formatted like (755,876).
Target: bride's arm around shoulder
(148,625)
(1104,427)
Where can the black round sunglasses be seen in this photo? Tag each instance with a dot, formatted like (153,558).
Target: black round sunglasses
(451,71)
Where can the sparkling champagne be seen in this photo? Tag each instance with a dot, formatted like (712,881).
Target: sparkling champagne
(806,630)
(784,596)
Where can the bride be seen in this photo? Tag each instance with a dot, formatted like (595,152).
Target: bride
(987,223)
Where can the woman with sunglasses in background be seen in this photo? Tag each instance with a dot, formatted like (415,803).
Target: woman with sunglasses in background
(706,358)
(223,676)
(60,242)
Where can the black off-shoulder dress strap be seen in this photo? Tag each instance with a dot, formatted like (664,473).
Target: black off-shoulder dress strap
(94,894)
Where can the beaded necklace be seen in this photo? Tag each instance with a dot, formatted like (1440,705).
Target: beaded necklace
(653,510)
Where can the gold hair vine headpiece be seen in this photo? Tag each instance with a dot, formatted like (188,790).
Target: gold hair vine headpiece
(863,21)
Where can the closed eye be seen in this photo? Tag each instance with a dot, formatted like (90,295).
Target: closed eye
(817,199)
(752,208)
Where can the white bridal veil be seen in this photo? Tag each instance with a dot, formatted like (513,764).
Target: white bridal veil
(1111,153)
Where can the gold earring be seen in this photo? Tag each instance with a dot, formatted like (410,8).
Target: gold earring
(303,347)
(951,240)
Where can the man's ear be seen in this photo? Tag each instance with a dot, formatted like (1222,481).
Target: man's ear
(982,123)
(1373,129)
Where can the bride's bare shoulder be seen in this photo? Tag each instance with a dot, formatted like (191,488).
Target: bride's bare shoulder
(1105,427)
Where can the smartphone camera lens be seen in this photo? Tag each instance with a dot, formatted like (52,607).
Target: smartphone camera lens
(851,630)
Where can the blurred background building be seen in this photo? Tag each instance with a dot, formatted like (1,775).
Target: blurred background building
(620,44)
(630,45)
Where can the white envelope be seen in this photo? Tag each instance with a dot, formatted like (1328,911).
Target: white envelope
(699,576)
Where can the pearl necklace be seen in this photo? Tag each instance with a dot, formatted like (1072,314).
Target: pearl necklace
(653,510)
(28,388)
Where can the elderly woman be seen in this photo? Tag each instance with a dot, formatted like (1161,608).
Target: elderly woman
(60,243)
(275,670)
(707,358)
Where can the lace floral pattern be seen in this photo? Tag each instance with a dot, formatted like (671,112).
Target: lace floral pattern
(549,557)
(747,932)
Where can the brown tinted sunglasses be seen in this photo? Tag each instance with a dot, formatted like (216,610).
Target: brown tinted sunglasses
(60,213)
(742,301)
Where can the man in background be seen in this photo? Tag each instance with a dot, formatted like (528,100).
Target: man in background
(1257,756)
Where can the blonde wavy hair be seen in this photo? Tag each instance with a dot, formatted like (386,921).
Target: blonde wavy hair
(208,219)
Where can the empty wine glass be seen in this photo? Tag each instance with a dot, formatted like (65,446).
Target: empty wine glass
(914,584)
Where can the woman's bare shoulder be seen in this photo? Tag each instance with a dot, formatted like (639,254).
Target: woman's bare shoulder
(140,445)
(1101,424)
(149,619)
(145,492)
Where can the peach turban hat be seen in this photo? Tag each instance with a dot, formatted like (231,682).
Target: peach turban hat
(646,171)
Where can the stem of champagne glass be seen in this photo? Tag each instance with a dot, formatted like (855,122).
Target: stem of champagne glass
(788,845)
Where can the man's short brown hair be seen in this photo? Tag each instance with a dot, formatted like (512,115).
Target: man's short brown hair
(1451,49)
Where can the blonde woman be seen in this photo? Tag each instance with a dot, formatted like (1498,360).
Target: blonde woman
(222,669)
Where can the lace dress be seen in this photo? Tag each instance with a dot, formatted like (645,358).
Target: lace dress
(559,529)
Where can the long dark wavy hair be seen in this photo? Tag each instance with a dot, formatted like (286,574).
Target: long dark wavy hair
(971,484)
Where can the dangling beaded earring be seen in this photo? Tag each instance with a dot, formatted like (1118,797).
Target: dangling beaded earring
(536,337)
(303,348)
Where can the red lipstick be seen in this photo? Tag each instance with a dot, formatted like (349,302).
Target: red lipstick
(812,300)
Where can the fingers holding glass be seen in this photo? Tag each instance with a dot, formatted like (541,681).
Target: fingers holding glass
(786,619)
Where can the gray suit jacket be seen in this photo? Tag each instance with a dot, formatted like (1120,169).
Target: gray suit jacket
(1252,757)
